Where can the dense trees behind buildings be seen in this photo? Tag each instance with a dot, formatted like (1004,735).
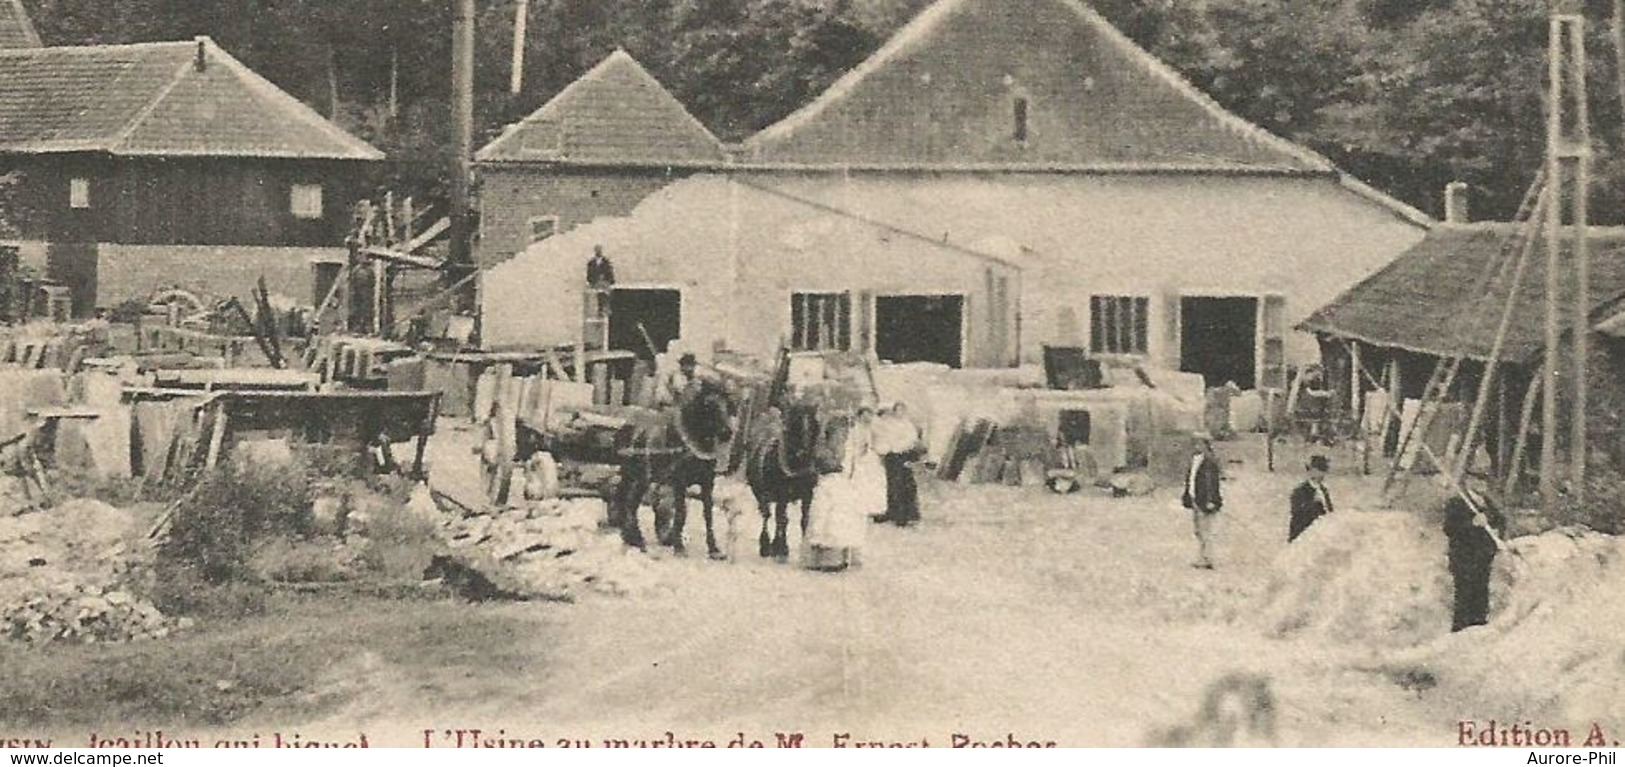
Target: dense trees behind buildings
(1408,94)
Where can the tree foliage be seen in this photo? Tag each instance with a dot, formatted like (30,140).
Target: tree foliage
(1408,94)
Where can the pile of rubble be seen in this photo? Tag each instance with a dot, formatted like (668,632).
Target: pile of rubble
(66,573)
(550,549)
(1361,578)
(1551,651)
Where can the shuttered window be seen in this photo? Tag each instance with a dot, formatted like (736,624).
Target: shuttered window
(1119,324)
(821,321)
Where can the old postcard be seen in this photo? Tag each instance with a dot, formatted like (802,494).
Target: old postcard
(493,374)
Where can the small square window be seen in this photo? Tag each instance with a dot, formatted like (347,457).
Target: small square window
(543,227)
(305,200)
(79,193)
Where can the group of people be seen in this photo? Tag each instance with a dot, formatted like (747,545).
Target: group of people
(1472,523)
(871,478)
(872,481)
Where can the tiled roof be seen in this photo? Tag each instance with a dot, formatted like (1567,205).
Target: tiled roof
(1425,300)
(616,113)
(943,90)
(16,31)
(154,99)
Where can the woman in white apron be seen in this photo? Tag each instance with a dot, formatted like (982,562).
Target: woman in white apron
(846,498)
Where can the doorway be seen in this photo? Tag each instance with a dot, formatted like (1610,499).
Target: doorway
(1218,338)
(917,328)
(659,312)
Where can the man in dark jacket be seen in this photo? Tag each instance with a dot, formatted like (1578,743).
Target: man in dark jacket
(1310,500)
(1472,524)
(1202,497)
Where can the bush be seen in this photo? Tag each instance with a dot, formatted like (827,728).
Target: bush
(217,527)
(399,542)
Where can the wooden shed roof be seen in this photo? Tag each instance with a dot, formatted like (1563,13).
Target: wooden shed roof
(168,99)
(1435,298)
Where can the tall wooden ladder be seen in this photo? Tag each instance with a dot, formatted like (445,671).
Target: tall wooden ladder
(1504,272)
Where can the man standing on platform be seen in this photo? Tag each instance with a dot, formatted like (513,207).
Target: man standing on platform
(600,272)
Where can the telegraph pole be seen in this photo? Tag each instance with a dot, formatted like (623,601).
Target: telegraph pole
(1568,164)
(462,87)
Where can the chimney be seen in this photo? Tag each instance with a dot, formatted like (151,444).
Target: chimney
(1455,203)
(202,61)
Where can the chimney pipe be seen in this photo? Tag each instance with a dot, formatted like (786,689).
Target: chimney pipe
(1455,203)
(202,60)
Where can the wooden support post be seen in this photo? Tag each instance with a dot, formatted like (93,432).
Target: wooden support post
(217,436)
(1525,420)
(1578,148)
(378,268)
(1503,425)
(1356,401)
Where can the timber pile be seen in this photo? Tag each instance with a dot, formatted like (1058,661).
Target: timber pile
(552,549)
(65,576)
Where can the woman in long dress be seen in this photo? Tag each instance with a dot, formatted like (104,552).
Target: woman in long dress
(845,499)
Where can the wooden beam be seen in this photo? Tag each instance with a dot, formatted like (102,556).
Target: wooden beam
(1515,467)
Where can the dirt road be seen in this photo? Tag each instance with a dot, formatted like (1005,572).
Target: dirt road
(1009,611)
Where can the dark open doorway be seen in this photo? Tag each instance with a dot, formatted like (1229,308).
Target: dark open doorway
(1218,338)
(920,329)
(659,311)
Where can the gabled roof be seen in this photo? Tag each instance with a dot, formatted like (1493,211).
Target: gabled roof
(942,90)
(16,31)
(157,99)
(617,114)
(1424,301)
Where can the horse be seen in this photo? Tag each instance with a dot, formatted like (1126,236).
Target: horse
(781,468)
(678,448)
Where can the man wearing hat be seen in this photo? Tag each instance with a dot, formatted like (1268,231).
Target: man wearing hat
(1202,496)
(1310,500)
(677,382)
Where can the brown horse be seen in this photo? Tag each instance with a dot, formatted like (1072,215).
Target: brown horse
(677,449)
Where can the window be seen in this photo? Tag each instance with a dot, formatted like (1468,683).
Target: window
(305,200)
(543,227)
(821,321)
(79,193)
(1117,324)
(1019,110)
